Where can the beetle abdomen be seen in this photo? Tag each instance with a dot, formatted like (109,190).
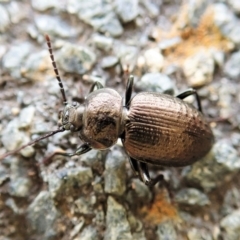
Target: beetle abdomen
(164,130)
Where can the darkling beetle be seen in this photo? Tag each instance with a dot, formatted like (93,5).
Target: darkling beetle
(154,128)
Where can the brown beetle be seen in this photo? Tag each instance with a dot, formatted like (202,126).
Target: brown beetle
(154,128)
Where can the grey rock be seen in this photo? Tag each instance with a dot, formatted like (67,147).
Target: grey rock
(102,42)
(115,173)
(235,5)
(168,43)
(116,221)
(76,59)
(155,82)
(10,202)
(77,228)
(219,166)
(126,53)
(195,233)
(88,233)
(127,10)
(55,26)
(231,201)
(17,11)
(64,181)
(192,196)
(98,14)
(4,19)
(42,215)
(199,69)
(26,117)
(231,225)
(20,184)
(195,11)
(140,191)
(14,58)
(36,65)
(166,231)
(136,227)
(93,159)
(109,61)
(43,5)
(12,137)
(4,175)
(85,204)
(153,59)
(152,9)
(227,22)
(231,68)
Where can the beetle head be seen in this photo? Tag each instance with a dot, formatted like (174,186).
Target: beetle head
(71,117)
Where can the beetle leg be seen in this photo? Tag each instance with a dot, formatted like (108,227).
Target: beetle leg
(144,173)
(95,84)
(134,165)
(128,93)
(189,92)
(84,148)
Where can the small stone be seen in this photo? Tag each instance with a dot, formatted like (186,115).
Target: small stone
(116,222)
(28,152)
(235,5)
(115,173)
(231,68)
(99,14)
(26,117)
(151,7)
(64,181)
(88,233)
(55,26)
(166,231)
(196,233)
(139,191)
(15,55)
(20,184)
(126,53)
(102,42)
(17,11)
(154,60)
(231,225)
(93,159)
(155,82)
(109,61)
(85,204)
(168,43)
(11,136)
(43,5)
(4,19)
(76,59)
(227,22)
(127,10)
(199,69)
(36,65)
(42,215)
(192,196)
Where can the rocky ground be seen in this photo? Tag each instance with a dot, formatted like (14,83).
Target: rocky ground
(168,46)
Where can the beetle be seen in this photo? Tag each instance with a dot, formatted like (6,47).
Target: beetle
(154,128)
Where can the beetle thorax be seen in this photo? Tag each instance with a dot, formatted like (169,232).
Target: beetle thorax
(102,118)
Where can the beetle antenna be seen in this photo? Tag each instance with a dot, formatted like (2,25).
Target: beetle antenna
(31,143)
(56,69)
